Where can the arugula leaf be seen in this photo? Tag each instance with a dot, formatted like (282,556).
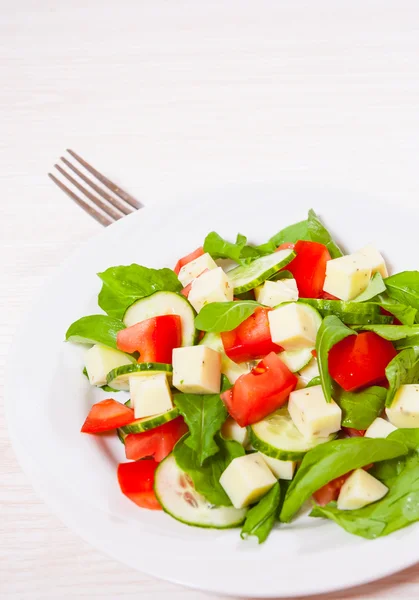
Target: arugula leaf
(331,331)
(206,477)
(224,316)
(404,287)
(359,409)
(95,329)
(123,285)
(376,286)
(403,369)
(331,460)
(204,414)
(261,518)
(351,313)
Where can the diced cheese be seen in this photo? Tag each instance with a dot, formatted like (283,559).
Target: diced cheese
(196,370)
(404,411)
(232,431)
(375,260)
(379,428)
(360,489)
(292,327)
(308,373)
(100,360)
(194,268)
(347,277)
(213,286)
(272,293)
(150,395)
(312,415)
(246,479)
(282,469)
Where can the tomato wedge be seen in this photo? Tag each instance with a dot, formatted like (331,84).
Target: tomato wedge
(350,432)
(285,246)
(157,442)
(153,338)
(309,268)
(107,415)
(330,491)
(260,392)
(360,360)
(136,480)
(187,259)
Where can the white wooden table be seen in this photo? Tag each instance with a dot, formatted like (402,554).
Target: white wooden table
(168,97)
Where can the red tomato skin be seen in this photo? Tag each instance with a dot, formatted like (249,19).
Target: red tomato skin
(157,442)
(106,416)
(285,246)
(327,296)
(153,338)
(330,491)
(358,361)
(309,268)
(187,259)
(350,432)
(251,339)
(258,393)
(136,480)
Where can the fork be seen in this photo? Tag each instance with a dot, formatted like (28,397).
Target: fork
(107,208)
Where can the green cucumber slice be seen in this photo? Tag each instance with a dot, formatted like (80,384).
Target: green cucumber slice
(229,368)
(296,359)
(164,303)
(247,277)
(118,378)
(277,437)
(147,423)
(176,494)
(121,435)
(351,313)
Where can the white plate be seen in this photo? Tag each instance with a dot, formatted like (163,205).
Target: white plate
(48,398)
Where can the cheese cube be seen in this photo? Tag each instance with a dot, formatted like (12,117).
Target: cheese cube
(307,374)
(100,360)
(190,271)
(197,370)
(232,431)
(150,395)
(282,469)
(272,293)
(292,327)
(375,260)
(213,286)
(380,428)
(360,489)
(312,415)
(404,411)
(246,479)
(347,277)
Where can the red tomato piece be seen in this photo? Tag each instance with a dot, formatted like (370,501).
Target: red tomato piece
(107,415)
(136,480)
(251,339)
(330,491)
(350,432)
(327,296)
(285,246)
(258,393)
(187,259)
(157,442)
(360,360)
(309,268)
(153,338)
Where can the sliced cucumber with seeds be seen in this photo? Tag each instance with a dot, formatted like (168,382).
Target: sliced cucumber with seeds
(164,303)
(147,423)
(119,378)
(175,492)
(247,277)
(277,437)
(296,359)
(229,368)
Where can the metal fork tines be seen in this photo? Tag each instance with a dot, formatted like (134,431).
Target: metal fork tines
(108,207)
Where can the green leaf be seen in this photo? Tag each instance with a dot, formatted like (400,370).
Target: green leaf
(291,234)
(331,331)
(359,409)
(95,329)
(224,316)
(315,381)
(261,518)
(239,251)
(225,384)
(376,286)
(123,285)
(405,314)
(402,336)
(281,275)
(350,313)
(403,369)
(404,287)
(204,415)
(331,460)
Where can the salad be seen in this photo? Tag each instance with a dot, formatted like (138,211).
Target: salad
(291,376)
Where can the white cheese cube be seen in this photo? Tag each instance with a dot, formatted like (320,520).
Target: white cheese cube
(404,411)
(100,360)
(282,469)
(347,277)
(380,428)
(150,395)
(308,373)
(375,260)
(312,415)
(272,293)
(213,286)
(232,431)
(292,327)
(194,268)
(196,370)
(246,479)
(360,489)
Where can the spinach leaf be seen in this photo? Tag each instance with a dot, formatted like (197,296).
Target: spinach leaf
(405,314)
(261,518)
(331,331)
(95,329)
(359,409)
(123,285)
(376,286)
(331,460)
(350,313)
(404,287)
(218,247)
(403,369)
(225,384)
(315,381)
(224,316)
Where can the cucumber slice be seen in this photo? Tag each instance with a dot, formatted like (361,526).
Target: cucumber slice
(296,359)
(229,368)
(118,378)
(164,303)
(351,313)
(121,435)
(148,423)
(277,437)
(247,277)
(176,494)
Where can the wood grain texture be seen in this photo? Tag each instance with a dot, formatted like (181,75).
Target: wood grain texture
(167,97)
